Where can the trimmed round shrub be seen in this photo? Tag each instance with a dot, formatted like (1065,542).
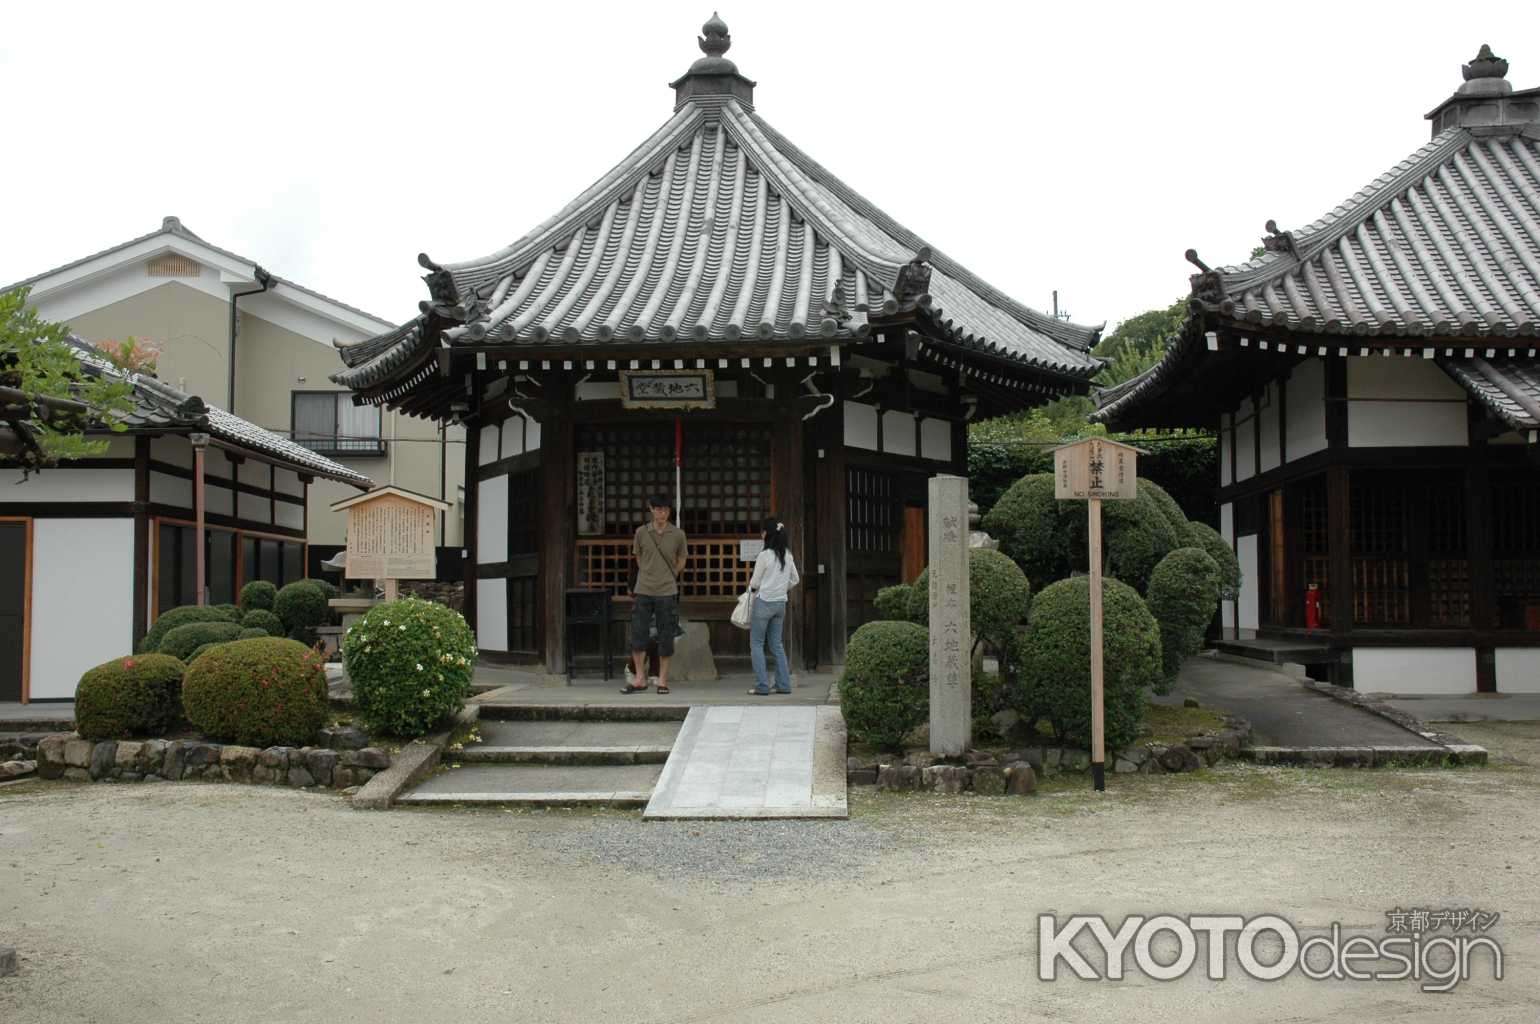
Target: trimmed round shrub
(892,603)
(257,692)
(1136,535)
(195,655)
(258,594)
(229,611)
(1175,517)
(1209,539)
(140,695)
(998,596)
(1183,596)
(1054,681)
(264,620)
(1030,525)
(180,616)
(410,663)
(183,640)
(885,691)
(250,632)
(302,607)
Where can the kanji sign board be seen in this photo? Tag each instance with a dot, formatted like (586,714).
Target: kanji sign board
(390,534)
(1095,468)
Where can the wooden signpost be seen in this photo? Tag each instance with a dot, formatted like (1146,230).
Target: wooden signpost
(1094,470)
(390,536)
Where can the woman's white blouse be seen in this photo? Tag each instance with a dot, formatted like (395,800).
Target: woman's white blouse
(773,579)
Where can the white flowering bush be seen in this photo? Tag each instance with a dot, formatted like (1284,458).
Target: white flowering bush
(410,663)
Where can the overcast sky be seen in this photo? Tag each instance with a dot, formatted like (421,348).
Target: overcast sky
(1073,146)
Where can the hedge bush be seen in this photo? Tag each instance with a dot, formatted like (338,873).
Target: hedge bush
(1219,549)
(258,692)
(998,597)
(1183,596)
(885,691)
(230,611)
(183,640)
(258,594)
(140,695)
(410,663)
(204,649)
(1135,536)
(302,607)
(1054,681)
(180,616)
(892,603)
(1175,517)
(252,632)
(1031,527)
(266,621)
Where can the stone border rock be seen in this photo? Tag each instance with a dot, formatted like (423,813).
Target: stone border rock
(1368,757)
(1016,772)
(1462,752)
(413,763)
(68,756)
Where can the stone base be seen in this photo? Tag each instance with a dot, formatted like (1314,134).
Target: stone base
(693,660)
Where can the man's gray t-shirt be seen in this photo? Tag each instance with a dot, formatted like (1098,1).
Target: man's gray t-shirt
(657,554)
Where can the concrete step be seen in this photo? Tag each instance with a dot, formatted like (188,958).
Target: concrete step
(530,785)
(572,742)
(647,710)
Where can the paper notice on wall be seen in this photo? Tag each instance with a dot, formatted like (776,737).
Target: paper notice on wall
(748,550)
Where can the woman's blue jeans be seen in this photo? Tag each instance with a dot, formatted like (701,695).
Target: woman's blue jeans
(768,620)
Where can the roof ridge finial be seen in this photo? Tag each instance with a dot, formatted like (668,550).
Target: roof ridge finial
(1485,65)
(715,40)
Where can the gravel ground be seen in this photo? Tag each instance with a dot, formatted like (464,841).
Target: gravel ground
(203,902)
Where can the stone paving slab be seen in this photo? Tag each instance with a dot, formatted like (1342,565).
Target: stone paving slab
(559,733)
(538,785)
(755,762)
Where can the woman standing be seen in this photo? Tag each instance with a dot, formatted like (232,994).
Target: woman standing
(775,573)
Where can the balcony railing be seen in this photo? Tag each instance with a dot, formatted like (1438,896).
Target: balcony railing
(352,447)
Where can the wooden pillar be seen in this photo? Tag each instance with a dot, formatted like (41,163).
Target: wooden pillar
(468,540)
(789,498)
(141,616)
(558,524)
(833,513)
(1339,538)
(1478,550)
(200,443)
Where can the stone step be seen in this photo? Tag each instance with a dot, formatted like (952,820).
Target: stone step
(650,711)
(572,742)
(533,785)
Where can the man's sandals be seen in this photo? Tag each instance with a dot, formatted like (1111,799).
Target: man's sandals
(633,688)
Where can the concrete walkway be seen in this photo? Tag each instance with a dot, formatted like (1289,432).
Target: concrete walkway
(1471,707)
(755,762)
(51,716)
(1282,712)
(512,686)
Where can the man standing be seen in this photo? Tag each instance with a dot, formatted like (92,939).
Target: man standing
(660,553)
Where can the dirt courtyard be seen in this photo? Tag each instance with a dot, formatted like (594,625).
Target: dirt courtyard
(188,902)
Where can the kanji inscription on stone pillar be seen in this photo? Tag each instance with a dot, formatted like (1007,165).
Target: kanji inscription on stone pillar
(951,634)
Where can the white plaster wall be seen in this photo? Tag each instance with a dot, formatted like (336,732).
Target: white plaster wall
(255,509)
(1399,377)
(1227,531)
(513,436)
(219,500)
(253,472)
(1414,670)
(860,426)
(292,516)
(1267,422)
(532,435)
(936,440)
(492,615)
(898,432)
(487,453)
(174,451)
(286,481)
(1224,452)
(1306,420)
(492,520)
(1518,669)
(166,489)
(1246,552)
(1406,424)
(81,567)
(603,390)
(67,485)
(1245,442)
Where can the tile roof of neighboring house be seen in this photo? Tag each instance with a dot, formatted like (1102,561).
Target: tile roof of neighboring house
(173,226)
(716,228)
(159,406)
(1443,246)
(1509,387)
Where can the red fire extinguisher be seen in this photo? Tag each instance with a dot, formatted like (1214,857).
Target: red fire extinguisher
(1313,606)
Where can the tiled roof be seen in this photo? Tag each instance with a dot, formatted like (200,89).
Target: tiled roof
(1510,387)
(159,406)
(1447,243)
(714,229)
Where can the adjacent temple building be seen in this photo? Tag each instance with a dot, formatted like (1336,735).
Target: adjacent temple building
(721,319)
(1374,382)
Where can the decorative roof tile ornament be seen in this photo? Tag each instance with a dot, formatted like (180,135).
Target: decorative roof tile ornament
(715,229)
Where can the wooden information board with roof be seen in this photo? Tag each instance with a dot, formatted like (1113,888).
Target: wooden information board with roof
(390,536)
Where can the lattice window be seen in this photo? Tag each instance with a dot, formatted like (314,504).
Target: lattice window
(604,564)
(524,513)
(522,614)
(1516,549)
(726,480)
(1313,533)
(873,518)
(1448,569)
(1382,594)
(1448,592)
(713,569)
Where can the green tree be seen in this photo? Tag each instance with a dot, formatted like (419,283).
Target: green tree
(1149,330)
(47,398)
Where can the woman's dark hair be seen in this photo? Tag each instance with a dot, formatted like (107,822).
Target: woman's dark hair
(775,539)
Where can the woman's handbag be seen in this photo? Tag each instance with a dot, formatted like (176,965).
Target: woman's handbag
(743,614)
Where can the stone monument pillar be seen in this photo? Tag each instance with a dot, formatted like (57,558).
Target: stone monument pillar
(951,634)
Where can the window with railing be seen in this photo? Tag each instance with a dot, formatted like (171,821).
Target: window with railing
(1409,547)
(329,422)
